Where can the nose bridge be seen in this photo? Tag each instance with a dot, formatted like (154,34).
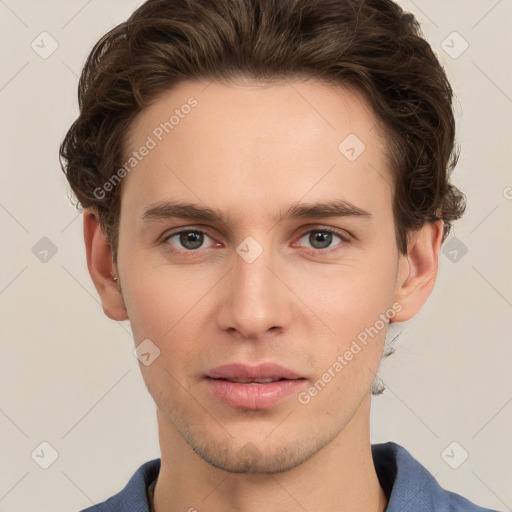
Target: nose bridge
(255,300)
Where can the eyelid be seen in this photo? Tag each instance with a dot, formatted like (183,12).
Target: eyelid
(327,229)
(186,229)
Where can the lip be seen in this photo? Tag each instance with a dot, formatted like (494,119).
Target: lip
(261,371)
(252,395)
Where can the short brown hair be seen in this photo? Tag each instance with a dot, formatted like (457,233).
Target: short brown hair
(370,45)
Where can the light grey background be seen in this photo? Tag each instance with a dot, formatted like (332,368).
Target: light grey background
(67,373)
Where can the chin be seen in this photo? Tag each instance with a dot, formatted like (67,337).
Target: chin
(244,452)
(249,459)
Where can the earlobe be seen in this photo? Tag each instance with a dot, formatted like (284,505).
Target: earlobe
(101,267)
(418,270)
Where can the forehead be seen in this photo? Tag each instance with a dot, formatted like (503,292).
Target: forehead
(279,141)
(267,109)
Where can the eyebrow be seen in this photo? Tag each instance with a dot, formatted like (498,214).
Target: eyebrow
(170,209)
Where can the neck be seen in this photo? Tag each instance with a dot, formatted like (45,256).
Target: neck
(340,477)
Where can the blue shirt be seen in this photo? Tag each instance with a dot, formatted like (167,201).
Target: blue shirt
(408,485)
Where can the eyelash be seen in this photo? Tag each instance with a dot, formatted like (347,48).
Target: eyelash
(170,248)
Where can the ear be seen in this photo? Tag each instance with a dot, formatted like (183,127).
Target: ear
(418,270)
(101,267)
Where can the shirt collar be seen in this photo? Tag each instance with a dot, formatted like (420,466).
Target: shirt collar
(407,485)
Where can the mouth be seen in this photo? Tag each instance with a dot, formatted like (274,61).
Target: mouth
(253,387)
(238,372)
(242,380)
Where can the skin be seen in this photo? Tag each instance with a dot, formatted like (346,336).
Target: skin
(251,150)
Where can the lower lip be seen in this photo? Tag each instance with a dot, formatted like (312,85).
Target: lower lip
(254,395)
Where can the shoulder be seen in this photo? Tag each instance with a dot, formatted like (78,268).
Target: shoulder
(410,486)
(133,497)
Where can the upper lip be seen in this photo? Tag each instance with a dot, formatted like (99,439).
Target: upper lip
(261,371)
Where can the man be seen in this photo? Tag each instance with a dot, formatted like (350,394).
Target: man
(265,188)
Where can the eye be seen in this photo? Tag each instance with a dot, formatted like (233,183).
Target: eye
(188,239)
(321,239)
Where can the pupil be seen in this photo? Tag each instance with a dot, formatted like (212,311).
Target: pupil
(322,237)
(191,240)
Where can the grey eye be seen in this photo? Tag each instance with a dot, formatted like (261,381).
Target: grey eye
(191,239)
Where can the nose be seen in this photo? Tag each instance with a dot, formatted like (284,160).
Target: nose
(255,299)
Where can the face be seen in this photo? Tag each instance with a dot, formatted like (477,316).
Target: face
(274,279)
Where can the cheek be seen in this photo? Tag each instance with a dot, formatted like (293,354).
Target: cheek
(157,299)
(347,359)
(349,301)
(347,298)
(165,315)
(168,308)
